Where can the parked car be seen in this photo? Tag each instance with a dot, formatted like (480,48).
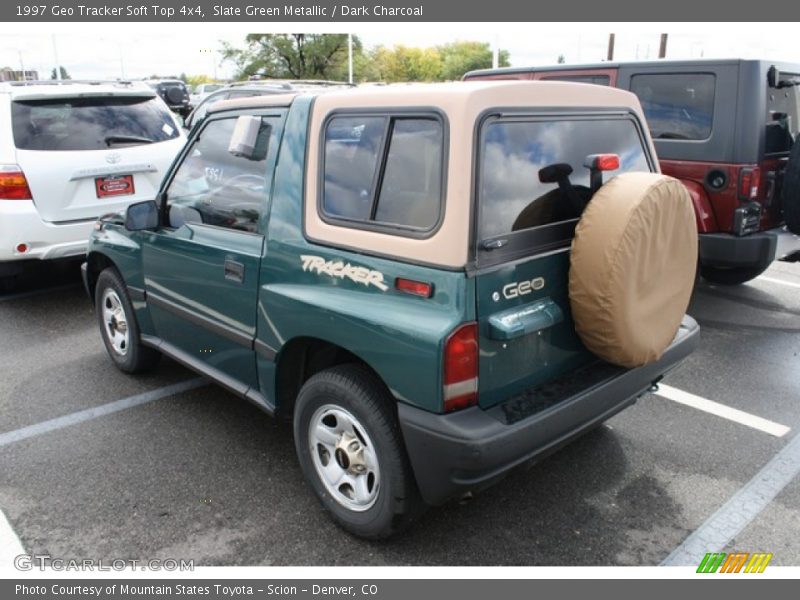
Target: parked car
(231,92)
(729,130)
(174,93)
(434,282)
(202,90)
(71,151)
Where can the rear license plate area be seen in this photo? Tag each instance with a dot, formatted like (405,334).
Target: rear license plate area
(118,185)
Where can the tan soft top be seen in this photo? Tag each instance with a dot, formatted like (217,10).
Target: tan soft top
(462,103)
(488,93)
(267,100)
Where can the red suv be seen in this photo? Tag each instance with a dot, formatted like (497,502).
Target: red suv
(728,130)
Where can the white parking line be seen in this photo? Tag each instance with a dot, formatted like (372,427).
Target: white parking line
(721,410)
(780,281)
(10,546)
(98,411)
(738,512)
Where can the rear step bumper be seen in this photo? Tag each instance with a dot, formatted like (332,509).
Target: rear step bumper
(464,451)
(756,250)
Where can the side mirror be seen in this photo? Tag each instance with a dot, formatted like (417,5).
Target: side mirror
(250,138)
(142,216)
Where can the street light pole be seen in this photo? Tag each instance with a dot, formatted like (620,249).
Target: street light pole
(350,58)
(121,61)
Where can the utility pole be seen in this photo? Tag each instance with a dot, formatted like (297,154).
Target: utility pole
(55,55)
(662,49)
(610,55)
(496,52)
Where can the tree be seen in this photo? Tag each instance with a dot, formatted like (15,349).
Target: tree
(414,64)
(64,74)
(460,57)
(324,56)
(294,56)
(194,80)
(561,60)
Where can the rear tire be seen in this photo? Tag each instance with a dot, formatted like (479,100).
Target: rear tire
(791,189)
(351,451)
(730,276)
(118,326)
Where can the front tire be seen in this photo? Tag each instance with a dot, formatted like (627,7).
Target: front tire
(118,326)
(351,451)
(730,276)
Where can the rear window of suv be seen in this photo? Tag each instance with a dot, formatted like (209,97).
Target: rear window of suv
(90,123)
(678,106)
(514,151)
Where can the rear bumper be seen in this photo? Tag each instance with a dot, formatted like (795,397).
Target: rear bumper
(728,250)
(20,223)
(464,451)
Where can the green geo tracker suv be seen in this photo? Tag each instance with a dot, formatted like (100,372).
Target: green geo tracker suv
(390,269)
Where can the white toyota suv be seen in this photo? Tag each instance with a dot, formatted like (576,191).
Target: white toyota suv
(70,152)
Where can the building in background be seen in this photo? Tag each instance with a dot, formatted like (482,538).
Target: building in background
(8,74)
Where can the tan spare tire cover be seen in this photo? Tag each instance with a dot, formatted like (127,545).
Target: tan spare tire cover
(633,264)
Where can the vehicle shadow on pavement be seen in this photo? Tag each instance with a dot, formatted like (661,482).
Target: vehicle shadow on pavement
(577,507)
(41,277)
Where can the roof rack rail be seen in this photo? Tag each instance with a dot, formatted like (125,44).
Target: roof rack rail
(279,83)
(125,82)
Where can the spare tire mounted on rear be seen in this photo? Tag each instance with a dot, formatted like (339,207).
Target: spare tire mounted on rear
(791,189)
(633,265)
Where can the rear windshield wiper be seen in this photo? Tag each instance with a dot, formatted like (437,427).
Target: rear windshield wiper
(670,135)
(127,139)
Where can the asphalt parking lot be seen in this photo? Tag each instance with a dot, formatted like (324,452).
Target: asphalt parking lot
(202,475)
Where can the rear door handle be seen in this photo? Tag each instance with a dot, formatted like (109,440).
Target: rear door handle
(525,319)
(234,271)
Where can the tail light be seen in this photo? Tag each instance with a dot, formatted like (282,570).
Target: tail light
(13,185)
(749,180)
(461,368)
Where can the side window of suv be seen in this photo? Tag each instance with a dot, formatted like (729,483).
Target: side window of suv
(213,186)
(678,106)
(384,171)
